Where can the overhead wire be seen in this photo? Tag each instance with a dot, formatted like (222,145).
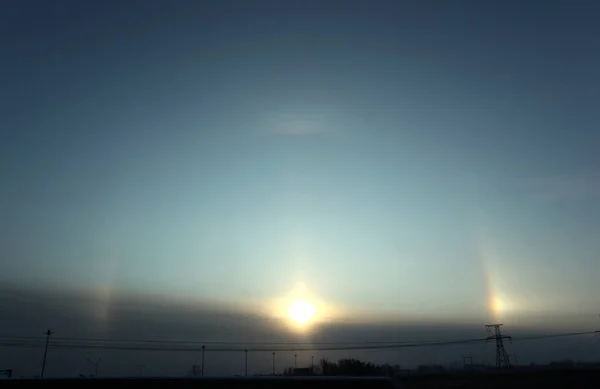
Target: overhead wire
(153,345)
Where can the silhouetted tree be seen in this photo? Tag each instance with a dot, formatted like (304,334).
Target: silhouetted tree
(355,367)
(195,371)
(328,368)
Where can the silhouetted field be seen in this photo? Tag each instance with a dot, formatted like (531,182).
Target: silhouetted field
(571,378)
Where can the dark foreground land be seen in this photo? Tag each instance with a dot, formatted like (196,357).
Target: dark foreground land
(573,378)
(547,379)
(208,383)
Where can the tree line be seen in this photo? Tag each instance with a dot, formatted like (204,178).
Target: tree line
(350,367)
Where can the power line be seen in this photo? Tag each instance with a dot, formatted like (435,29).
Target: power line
(236,349)
(560,335)
(307,346)
(199,342)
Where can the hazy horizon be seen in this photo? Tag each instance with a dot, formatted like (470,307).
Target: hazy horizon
(85,318)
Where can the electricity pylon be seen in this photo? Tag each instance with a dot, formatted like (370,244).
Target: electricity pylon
(502,360)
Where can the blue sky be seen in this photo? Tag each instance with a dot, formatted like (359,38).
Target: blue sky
(416,159)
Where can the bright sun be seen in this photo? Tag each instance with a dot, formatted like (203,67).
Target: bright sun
(301,311)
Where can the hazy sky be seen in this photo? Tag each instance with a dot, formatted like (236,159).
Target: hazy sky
(410,160)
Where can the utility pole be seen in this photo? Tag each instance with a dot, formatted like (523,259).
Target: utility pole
(295,361)
(246,364)
(203,348)
(502,360)
(141,369)
(467,362)
(48,333)
(273,362)
(95,364)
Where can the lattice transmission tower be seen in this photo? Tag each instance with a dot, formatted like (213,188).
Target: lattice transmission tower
(502,360)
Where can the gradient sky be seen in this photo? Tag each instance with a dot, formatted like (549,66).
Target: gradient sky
(415,159)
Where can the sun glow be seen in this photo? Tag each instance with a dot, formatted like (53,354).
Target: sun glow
(301,311)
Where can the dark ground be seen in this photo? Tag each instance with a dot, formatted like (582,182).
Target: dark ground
(572,378)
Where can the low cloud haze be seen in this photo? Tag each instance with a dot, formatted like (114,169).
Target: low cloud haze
(80,314)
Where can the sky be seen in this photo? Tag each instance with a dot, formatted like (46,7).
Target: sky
(418,161)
